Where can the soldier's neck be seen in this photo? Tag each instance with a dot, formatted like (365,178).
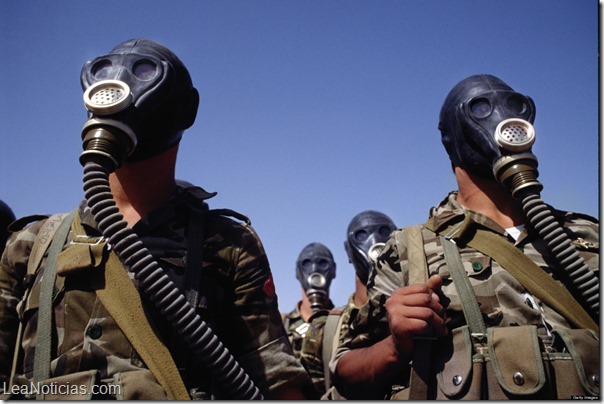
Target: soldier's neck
(140,187)
(488,198)
(305,308)
(360,292)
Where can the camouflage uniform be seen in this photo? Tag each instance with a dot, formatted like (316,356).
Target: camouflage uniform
(238,302)
(296,327)
(311,355)
(502,299)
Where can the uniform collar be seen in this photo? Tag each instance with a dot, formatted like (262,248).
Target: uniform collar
(189,195)
(455,220)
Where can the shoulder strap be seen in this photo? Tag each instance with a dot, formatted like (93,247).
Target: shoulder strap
(533,278)
(331,341)
(232,213)
(41,244)
(529,274)
(44,328)
(122,300)
(418,267)
(43,239)
(469,303)
(418,273)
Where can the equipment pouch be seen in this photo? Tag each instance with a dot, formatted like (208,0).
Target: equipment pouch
(459,368)
(515,355)
(75,386)
(576,369)
(137,385)
(513,363)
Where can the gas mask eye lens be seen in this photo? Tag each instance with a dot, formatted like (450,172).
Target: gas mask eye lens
(101,69)
(307,264)
(323,264)
(516,104)
(384,231)
(480,108)
(361,236)
(144,69)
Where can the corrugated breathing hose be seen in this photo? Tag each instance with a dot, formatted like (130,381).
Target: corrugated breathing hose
(161,290)
(558,243)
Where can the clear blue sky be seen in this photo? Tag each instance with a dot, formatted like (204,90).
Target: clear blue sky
(311,111)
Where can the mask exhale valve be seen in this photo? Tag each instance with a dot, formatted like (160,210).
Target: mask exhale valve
(518,173)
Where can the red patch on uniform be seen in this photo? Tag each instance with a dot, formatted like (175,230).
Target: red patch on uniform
(269,287)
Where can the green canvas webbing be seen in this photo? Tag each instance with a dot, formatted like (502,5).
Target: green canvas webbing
(44,327)
(331,340)
(418,274)
(469,303)
(41,244)
(529,274)
(122,300)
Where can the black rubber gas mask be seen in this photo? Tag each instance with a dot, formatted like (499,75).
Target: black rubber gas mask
(315,269)
(483,120)
(365,238)
(140,99)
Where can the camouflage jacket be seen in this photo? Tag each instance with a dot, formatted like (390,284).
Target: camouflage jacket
(296,328)
(238,301)
(311,355)
(502,299)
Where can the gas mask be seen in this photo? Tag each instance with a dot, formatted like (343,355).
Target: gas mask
(315,270)
(366,236)
(487,130)
(139,98)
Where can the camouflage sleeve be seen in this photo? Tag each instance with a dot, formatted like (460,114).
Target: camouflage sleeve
(13,268)
(370,324)
(255,329)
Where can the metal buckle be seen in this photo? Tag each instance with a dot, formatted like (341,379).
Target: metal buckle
(87,240)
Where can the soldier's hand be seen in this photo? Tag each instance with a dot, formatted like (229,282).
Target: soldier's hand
(415,311)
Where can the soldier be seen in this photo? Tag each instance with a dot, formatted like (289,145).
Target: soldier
(315,269)
(366,235)
(204,322)
(6,217)
(499,316)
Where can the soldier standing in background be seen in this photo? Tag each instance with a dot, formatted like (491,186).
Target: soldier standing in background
(315,269)
(366,235)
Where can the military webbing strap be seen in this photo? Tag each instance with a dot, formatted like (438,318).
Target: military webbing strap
(43,348)
(43,239)
(40,246)
(118,295)
(418,274)
(469,303)
(529,274)
(330,342)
